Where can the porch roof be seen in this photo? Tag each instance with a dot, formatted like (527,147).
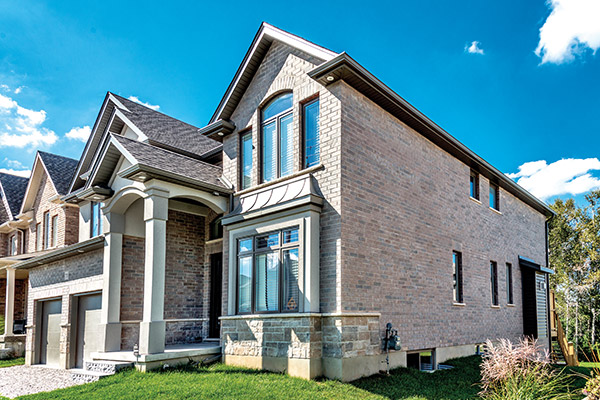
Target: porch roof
(61,253)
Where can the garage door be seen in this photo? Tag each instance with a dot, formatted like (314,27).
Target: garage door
(88,327)
(50,333)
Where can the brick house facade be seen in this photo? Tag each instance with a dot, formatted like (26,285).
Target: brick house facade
(181,242)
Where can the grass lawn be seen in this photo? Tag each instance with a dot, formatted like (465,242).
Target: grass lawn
(223,382)
(12,362)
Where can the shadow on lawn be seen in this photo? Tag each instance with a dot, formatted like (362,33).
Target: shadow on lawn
(459,383)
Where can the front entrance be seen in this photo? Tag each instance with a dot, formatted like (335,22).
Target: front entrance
(216,281)
(89,334)
(50,332)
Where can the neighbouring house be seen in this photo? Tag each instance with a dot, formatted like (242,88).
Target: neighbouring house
(316,207)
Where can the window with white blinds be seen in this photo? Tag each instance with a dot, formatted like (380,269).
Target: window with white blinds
(277,138)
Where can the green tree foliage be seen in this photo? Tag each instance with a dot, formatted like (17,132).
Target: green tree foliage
(574,241)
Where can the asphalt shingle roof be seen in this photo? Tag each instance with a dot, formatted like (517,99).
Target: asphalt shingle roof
(172,162)
(61,170)
(14,190)
(168,130)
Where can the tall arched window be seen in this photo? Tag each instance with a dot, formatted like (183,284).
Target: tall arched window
(277,138)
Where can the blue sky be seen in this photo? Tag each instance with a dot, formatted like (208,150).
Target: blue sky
(509,104)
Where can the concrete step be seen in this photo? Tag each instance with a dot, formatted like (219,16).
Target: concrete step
(79,375)
(109,367)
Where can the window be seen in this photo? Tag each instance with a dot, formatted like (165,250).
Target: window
(311,134)
(268,272)
(54,230)
(276,138)
(246,160)
(13,245)
(509,284)
(46,229)
(457,276)
(494,196)
(96,224)
(474,185)
(215,229)
(494,282)
(38,236)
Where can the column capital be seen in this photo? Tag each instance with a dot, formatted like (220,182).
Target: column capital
(156,205)
(113,223)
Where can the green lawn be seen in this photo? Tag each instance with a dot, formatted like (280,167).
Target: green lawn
(12,362)
(223,382)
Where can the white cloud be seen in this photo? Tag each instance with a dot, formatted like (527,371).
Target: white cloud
(24,173)
(572,27)
(79,133)
(566,176)
(19,89)
(135,99)
(12,163)
(23,126)
(4,87)
(474,48)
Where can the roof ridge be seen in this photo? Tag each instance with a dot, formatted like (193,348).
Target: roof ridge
(118,137)
(56,155)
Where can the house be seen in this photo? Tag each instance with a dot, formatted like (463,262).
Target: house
(316,207)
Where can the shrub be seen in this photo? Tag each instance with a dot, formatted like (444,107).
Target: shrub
(520,372)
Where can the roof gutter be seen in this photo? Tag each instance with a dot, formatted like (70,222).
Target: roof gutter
(344,67)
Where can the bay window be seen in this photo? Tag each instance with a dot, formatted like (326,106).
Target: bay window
(268,272)
(277,138)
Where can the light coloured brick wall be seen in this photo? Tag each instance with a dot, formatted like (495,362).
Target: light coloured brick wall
(405,208)
(68,217)
(284,69)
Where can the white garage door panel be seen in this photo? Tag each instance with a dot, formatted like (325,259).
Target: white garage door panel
(50,337)
(89,333)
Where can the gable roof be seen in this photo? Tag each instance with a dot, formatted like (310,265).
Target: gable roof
(13,190)
(258,49)
(341,66)
(157,128)
(60,169)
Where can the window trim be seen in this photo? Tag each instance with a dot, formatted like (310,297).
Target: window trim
(457,273)
(303,104)
(241,135)
(38,236)
(475,175)
(279,249)
(10,245)
(275,118)
(494,283)
(496,206)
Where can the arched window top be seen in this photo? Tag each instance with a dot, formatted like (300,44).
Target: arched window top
(276,106)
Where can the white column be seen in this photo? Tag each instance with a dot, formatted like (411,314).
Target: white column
(114,226)
(311,262)
(9,308)
(152,328)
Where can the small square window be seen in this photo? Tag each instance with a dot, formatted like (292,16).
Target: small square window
(290,236)
(245,245)
(266,241)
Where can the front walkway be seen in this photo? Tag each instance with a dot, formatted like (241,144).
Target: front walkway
(22,379)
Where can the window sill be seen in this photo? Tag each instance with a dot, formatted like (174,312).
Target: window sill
(214,241)
(475,200)
(495,307)
(458,304)
(510,305)
(279,180)
(496,211)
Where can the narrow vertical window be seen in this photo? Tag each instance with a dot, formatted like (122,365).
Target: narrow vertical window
(38,236)
(457,276)
(494,282)
(96,220)
(13,245)
(312,137)
(245,247)
(474,185)
(509,284)
(277,138)
(54,230)
(46,230)
(246,159)
(494,196)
